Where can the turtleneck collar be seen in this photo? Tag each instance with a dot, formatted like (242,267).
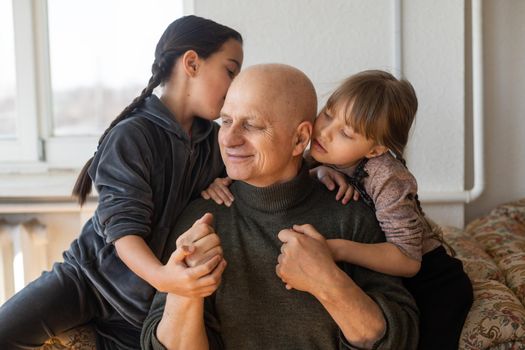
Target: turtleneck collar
(274,198)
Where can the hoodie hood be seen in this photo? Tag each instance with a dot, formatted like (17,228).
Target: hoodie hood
(155,111)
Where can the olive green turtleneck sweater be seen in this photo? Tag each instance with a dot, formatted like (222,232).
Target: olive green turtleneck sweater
(252,309)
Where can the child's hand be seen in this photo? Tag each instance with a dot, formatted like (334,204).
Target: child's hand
(196,266)
(330,178)
(199,281)
(219,191)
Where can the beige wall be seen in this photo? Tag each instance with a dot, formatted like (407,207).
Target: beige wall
(331,40)
(504,77)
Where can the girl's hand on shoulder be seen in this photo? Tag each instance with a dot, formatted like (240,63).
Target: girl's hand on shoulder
(219,191)
(331,178)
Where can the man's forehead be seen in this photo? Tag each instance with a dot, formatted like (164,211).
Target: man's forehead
(248,114)
(247,108)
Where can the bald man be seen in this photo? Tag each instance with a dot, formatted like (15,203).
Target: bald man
(252,275)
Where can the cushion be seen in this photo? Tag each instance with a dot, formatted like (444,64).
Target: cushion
(80,338)
(477,263)
(496,319)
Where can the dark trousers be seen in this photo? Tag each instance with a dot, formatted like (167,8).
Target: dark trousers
(443,293)
(56,302)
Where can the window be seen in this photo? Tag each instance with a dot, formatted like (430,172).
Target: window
(7,72)
(83,62)
(101,54)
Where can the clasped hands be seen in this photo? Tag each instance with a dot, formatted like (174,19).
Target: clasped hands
(196,266)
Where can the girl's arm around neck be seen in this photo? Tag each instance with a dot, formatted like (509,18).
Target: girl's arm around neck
(381,257)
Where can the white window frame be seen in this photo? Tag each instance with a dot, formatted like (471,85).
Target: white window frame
(35,143)
(36,167)
(59,152)
(24,147)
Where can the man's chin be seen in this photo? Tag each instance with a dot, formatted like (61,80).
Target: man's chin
(236,175)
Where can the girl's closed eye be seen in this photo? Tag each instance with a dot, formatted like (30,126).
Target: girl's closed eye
(327,116)
(346,134)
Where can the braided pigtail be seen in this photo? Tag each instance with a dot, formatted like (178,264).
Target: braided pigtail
(83,184)
(202,35)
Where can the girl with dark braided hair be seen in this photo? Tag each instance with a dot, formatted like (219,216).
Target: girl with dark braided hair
(362,133)
(157,155)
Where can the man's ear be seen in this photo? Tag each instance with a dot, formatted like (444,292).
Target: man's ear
(303,133)
(190,63)
(376,150)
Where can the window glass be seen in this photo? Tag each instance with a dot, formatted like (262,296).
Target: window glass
(101,54)
(7,71)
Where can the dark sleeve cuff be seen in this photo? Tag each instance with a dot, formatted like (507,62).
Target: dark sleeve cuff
(155,343)
(346,345)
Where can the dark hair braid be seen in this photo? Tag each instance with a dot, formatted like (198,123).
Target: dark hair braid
(186,33)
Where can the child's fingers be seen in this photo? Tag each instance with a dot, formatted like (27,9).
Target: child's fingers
(205,195)
(214,278)
(224,193)
(327,181)
(181,252)
(356,195)
(308,230)
(204,269)
(226,181)
(343,188)
(215,196)
(348,194)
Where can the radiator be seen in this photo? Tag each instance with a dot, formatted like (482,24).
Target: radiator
(23,255)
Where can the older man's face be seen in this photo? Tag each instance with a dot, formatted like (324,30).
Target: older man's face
(256,142)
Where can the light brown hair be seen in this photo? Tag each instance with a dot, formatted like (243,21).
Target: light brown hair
(378,106)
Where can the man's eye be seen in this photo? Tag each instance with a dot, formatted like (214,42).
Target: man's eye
(249,126)
(226,121)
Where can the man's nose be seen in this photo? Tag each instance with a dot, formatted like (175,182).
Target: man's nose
(231,136)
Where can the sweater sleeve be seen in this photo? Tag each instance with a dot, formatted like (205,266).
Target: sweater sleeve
(149,340)
(393,189)
(396,303)
(121,174)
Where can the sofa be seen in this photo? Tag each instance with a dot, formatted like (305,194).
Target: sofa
(492,249)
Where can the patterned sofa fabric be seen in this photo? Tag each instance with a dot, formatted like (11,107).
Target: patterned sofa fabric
(496,318)
(501,233)
(477,263)
(79,338)
(492,249)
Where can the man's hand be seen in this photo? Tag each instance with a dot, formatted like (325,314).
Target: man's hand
(305,262)
(219,191)
(332,178)
(203,238)
(196,266)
